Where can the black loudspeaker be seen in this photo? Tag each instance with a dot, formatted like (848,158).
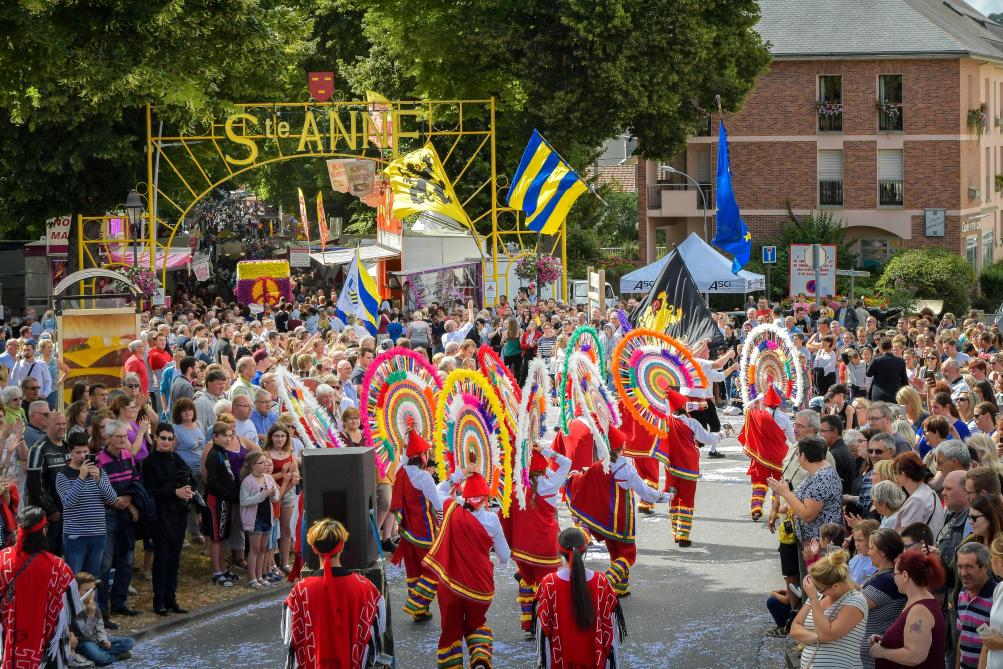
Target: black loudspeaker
(340,483)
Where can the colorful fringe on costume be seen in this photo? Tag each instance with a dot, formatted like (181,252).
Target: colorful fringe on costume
(420,593)
(619,575)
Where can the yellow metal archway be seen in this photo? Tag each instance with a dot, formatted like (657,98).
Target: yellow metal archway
(194,163)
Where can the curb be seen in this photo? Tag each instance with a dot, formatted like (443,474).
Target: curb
(176,621)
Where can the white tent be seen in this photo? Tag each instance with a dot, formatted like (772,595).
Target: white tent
(710,270)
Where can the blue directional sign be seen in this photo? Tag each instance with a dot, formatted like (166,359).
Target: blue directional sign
(769,255)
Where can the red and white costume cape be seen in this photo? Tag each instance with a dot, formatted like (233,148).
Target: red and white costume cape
(336,625)
(37,603)
(561,644)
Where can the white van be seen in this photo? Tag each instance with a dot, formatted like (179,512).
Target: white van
(579,293)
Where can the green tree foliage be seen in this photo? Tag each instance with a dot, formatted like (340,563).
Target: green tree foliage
(991,283)
(934,274)
(75,77)
(997,17)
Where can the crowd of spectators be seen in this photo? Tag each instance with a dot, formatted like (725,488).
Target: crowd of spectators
(888,512)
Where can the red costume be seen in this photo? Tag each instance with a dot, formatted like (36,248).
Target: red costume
(766,445)
(639,445)
(578,445)
(417,522)
(31,606)
(334,620)
(532,534)
(562,641)
(460,558)
(679,453)
(598,501)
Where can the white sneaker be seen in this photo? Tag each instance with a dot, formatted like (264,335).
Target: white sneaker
(257,585)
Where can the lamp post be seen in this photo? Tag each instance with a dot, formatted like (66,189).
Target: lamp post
(134,211)
(703,197)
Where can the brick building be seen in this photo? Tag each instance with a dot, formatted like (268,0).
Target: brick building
(865,111)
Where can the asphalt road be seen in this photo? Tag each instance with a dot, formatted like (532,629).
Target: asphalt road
(699,608)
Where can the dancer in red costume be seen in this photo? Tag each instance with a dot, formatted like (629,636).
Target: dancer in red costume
(461,559)
(39,598)
(415,502)
(603,501)
(532,532)
(639,444)
(578,444)
(336,619)
(679,452)
(764,438)
(579,621)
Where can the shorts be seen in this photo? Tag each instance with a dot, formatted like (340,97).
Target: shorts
(289,499)
(789,559)
(384,491)
(262,526)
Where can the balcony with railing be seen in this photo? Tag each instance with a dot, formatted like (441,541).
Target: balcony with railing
(890,117)
(830,193)
(668,199)
(890,192)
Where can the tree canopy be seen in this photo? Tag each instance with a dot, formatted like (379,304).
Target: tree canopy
(74,78)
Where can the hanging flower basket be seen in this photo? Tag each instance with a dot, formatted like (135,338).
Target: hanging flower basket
(978,120)
(829,108)
(142,278)
(890,109)
(548,268)
(525,267)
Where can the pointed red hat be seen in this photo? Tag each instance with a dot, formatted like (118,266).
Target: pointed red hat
(538,462)
(617,439)
(677,400)
(416,444)
(475,487)
(771,398)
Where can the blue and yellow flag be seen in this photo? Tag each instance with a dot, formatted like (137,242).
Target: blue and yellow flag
(731,233)
(544,186)
(359,297)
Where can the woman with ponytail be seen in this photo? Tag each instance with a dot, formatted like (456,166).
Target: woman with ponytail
(37,597)
(336,619)
(579,622)
(917,637)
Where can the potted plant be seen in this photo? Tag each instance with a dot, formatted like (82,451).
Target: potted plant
(829,108)
(978,120)
(525,266)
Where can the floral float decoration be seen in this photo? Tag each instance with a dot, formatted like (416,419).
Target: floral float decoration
(263,282)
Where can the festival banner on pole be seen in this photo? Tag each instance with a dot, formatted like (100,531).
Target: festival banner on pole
(95,344)
(355,177)
(419,183)
(201,267)
(304,221)
(322,221)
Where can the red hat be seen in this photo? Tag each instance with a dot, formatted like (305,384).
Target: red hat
(416,444)
(677,400)
(475,487)
(771,398)
(538,462)
(617,439)
(260,355)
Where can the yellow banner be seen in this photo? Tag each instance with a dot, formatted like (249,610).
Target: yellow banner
(419,183)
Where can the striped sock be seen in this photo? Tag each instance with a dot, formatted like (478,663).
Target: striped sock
(480,645)
(450,657)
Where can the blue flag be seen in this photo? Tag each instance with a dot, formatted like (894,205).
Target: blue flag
(730,235)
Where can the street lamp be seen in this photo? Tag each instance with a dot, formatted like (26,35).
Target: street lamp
(703,197)
(134,211)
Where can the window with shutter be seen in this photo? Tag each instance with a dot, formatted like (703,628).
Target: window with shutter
(890,176)
(830,178)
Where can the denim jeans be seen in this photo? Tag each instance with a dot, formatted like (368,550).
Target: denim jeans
(118,556)
(84,553)
(781,612)
(101,656)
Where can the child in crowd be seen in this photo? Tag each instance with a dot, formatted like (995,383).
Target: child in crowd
(257,493)
(861,567)
(830,538)
(93,641)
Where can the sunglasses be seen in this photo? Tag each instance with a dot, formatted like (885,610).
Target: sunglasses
(132,385)
(875,451)
(165,437)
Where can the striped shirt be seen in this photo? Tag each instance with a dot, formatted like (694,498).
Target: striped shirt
(888,604)
(972,612)
(84,503)
(888,601)
(545,346)
(840,653)
(121,470)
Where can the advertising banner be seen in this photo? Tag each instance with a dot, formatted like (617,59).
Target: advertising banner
(57,237)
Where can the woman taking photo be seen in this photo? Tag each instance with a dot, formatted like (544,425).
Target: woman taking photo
(922,504)
(883,599)
(919,633)
(831,628)
(578,618)
(279,447)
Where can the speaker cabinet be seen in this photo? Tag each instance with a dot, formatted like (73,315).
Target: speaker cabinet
(340,483)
